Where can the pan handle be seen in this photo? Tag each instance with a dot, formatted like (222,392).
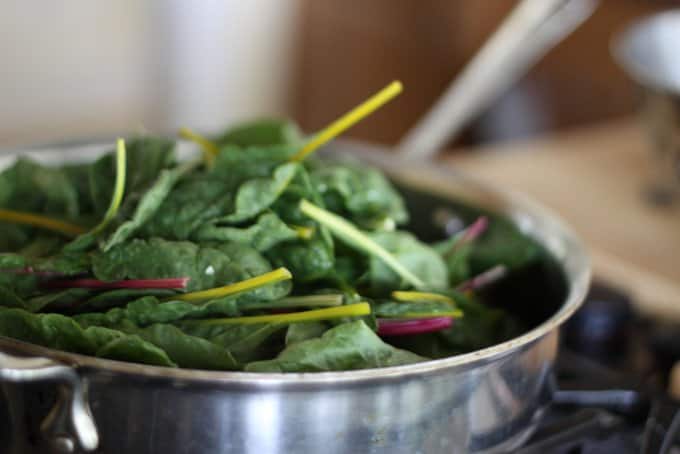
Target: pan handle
(70,414)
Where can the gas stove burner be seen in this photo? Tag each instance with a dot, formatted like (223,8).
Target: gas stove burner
(611,378)
(607,420)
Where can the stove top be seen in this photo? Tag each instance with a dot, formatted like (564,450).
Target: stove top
(611,378)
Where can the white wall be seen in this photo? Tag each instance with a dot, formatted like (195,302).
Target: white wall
(86,68)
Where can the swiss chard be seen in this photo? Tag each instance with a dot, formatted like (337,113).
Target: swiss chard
(361,192)
(149,203)
(267,231)
(261,133)
(346,347)
(207,266)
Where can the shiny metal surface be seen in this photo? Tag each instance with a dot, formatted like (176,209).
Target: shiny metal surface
(70,413)
(529,32)
(484,401)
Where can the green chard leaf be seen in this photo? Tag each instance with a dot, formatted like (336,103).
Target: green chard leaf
(207,265)
(183,349)
(149,203)
(361,192)
(257,194)
(414,255)
(194,202)
(307,260)
(265,132)
(503,244)
(298,332)
(31,187)
(149,310)
(348,346)
(146,159)
(245,342)
(63,333)
(267,231)
(457,259)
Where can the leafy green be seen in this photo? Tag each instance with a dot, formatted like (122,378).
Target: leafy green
(236,165)
(32,187)
(267,231)
(60,299)
(414,255)
(15,286)
(129,348)
(98,301)
(257,194)
(261,133)
(360,192)
(9,298)
(393,309)
(457,259)
(149,310)
(252,207)
(307,260)
(146,159)
(346,347)
(361,241)
(245,342)
(149,203)
(41,246)
(194,202)
(63,333)
(207,266)
(503,244)
(298,332)
(65,262)
(183,349)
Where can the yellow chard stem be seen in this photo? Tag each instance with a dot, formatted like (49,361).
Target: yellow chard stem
(280,274)
(453,314)
(118,190)
(421,296)
(354,237)
(304,301)
(350,310)
(210,150)
(43,222)
(303,232)
(349,119)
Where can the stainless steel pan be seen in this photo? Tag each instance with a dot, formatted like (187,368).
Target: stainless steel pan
(484,401)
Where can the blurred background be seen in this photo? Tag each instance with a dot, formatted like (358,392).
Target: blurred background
(96,69)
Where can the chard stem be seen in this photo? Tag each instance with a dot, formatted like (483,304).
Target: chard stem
(303,232)
(349,119)
(36,220)
(416,315)
(280,274)
(299,301)
(118,190)
(421,296)
(164,283)
(354,237)
(350,310)
(210,150)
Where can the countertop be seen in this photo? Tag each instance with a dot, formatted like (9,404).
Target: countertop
(594,178)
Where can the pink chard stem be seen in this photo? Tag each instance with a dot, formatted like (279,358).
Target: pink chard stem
(169,283)
(387,327)
(474,230)
(483,279)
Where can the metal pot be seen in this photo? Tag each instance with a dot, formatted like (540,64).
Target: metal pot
(485,401)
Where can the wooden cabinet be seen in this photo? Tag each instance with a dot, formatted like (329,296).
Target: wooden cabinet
(350,48)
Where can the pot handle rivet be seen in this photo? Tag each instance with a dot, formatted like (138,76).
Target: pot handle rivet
(70,412)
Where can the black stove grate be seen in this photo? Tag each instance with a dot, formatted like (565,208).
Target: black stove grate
(611,376)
